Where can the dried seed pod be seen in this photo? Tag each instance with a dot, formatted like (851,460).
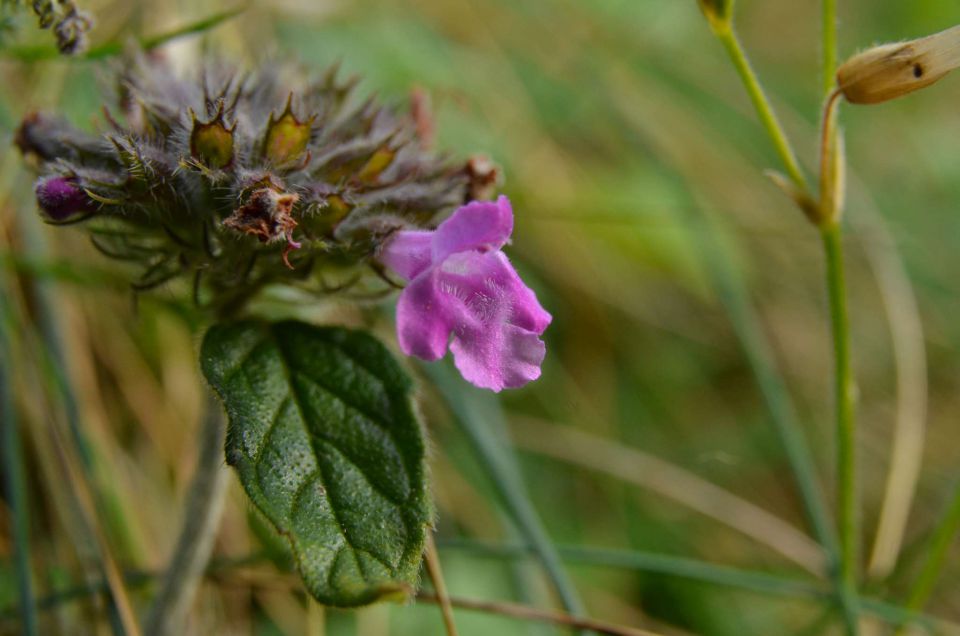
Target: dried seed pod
(889,71)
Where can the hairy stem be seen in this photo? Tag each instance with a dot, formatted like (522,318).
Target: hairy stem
(195,543)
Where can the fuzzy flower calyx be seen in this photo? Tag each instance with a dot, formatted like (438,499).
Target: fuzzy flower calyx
(237,183)
(463,292)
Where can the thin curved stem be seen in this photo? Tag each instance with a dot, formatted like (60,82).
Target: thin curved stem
(830,162)
(200,521)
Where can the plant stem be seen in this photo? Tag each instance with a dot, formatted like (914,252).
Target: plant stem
(16,489)
(846,427)
(939,546)
(439,585)
(200,521)
(728,37)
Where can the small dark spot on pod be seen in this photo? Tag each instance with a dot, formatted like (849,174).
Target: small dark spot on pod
(918,70)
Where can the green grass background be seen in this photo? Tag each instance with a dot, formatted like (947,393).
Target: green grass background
(628,148)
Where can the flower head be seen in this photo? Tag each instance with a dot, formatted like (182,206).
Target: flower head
(241,182)
(464,291)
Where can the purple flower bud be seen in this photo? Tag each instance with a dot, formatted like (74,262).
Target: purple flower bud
(464,293)
(60,198)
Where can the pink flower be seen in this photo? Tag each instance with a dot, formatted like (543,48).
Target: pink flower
(464,291)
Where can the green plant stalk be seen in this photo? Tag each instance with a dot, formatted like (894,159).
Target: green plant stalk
(844,390)
(728,37)
(505,476)
(943,535)
(16,490)
(829,13)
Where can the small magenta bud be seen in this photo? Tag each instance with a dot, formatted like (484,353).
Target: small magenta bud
(212,142)
(287,137)
(60,198)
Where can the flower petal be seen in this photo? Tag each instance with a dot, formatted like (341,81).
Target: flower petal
(407,253)
(424,318)
(496,320)
(507,359)
(480,225)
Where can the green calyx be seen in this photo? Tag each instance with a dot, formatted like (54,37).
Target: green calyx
(211,143)
(287,137)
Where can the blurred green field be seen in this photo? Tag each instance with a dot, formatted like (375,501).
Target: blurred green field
(635,165)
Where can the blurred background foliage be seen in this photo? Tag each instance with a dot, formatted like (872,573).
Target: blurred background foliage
(635,165)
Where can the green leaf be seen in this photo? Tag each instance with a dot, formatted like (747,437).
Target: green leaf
(323,434)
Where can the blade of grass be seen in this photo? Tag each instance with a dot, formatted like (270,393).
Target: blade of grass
(941,538)
(693,569)
(659,563)
(906,333)
(16,488)
(479,417)
(636,467)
